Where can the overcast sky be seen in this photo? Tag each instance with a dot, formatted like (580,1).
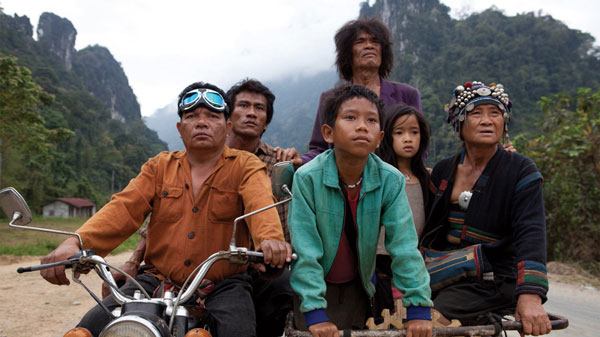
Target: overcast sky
(165,45)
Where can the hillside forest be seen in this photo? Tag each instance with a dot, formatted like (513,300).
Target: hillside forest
(70,124)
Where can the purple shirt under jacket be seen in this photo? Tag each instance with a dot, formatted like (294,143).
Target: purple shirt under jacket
(390,93)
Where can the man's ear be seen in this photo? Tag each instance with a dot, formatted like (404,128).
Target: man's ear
(228,126)
(327,132)
(179,128)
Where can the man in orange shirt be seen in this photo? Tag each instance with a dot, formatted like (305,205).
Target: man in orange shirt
(194,196)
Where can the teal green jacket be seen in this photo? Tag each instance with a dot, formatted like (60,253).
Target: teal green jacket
(316,220)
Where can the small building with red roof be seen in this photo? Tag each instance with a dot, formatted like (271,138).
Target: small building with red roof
(69,208)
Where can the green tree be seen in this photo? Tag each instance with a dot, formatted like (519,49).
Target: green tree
(22,128)
(21,125)
(568,155)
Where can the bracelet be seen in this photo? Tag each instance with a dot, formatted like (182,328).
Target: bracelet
(143,232)
(134,261)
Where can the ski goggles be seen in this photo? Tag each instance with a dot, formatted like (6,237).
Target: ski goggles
(211,99)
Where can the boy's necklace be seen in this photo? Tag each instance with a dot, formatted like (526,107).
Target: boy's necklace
(353,185)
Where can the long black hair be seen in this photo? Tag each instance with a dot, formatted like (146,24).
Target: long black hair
(385,151)
(344,41)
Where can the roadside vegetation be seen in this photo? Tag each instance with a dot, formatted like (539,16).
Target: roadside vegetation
(25,242)
(567,152)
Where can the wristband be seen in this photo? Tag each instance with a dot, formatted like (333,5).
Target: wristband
(134,261)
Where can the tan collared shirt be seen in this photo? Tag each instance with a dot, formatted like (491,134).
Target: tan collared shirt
(182,231)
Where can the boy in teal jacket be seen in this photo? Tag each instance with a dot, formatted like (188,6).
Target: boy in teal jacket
(341,200)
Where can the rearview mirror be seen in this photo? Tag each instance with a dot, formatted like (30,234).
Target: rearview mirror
(15,207)
(281,179)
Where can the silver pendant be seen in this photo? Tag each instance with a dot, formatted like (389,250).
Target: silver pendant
(464,198)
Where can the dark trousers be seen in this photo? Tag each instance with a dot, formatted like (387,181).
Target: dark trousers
(471,300)
(347,306)
(272,302)
(383,298)
(229,305)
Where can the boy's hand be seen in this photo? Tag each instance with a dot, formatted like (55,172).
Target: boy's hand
(324,329)
(419,328)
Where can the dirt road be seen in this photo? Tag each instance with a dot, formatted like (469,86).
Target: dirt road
(31,306)
(580,304)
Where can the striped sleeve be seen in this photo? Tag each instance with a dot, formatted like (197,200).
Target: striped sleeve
(532,278)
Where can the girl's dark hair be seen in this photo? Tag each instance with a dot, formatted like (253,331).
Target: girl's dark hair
(344,41)
(385,151)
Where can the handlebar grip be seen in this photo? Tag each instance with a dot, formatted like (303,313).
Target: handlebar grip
(556,321)
(258,257)
(255,258)
(66,263)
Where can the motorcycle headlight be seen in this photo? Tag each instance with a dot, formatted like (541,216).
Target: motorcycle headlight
(135,326)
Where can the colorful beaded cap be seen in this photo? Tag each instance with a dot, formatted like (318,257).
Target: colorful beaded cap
(466,97)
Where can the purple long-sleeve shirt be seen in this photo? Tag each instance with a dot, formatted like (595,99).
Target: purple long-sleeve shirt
(390,93)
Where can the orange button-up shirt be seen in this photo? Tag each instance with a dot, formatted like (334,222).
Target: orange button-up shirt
(182,231)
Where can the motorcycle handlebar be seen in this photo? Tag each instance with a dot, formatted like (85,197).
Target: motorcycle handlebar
(258,257)
(232,255)
(92,258)
(67,263)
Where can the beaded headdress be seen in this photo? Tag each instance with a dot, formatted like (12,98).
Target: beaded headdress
(466,97)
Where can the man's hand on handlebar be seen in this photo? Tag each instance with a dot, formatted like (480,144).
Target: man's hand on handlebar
(277,254)
(65,250)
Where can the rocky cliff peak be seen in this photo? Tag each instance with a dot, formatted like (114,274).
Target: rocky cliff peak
(21,24)
(398,14)
(58,35)
(104,77)
(418,28)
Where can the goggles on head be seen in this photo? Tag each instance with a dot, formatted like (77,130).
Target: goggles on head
(211,99)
